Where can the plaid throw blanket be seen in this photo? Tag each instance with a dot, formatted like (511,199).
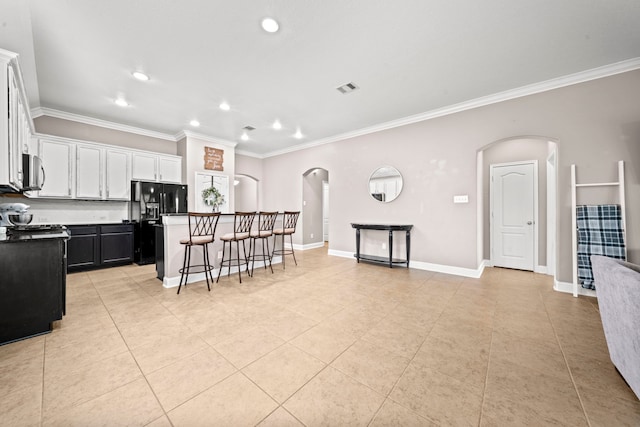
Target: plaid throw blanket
(600,232)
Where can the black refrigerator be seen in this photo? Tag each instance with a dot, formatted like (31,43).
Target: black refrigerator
(150,200)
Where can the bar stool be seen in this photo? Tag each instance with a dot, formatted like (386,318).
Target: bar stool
(242,223)
(202,228)
(289,222)
(266,222)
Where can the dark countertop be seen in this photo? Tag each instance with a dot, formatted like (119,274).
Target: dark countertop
(34,235)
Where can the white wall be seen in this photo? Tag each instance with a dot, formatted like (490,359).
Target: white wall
(75,130)
(192,151)
(595,124)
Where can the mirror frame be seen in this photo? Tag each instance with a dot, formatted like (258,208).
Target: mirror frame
(381,196)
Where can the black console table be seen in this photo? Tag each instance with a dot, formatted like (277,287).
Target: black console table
(391,228)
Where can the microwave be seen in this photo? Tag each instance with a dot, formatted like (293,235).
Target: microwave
(32,173)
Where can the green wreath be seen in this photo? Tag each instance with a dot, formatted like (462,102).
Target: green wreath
(211,197)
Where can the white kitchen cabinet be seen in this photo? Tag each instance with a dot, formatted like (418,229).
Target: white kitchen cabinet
(170,169)
(157,167)
(118,175)
(57,161)
(145,167)
(89,172)
(16,131)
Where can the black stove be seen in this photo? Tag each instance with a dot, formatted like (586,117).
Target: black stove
(35,228)
(32,232)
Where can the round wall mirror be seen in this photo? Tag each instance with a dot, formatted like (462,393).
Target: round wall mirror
(385,184)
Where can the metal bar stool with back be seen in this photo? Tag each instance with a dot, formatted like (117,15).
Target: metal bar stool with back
(202,228)
(266,222)
(289,222)
(242,223)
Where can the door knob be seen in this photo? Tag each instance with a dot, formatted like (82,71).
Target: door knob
(529,222)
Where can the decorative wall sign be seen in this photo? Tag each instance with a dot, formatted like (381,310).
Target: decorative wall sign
(213,159)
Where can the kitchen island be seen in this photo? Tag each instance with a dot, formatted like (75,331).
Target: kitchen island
(176,227)
(33,285)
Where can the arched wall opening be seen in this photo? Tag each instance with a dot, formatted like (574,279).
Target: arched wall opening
(246,193)
(315,220)
(543,150)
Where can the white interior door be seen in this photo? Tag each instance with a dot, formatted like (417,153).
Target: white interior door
(513,215)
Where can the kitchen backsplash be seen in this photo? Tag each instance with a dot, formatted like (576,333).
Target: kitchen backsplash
(73,211)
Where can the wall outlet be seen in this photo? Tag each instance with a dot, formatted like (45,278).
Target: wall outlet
(219,254)
(311,235)
(461,199)
(384,246)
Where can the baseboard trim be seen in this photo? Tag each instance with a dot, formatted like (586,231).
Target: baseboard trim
(541,269)
(419,265)
(173,282)
(568,288)
(306,247)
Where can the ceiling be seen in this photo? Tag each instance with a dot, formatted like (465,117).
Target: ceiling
(407,57)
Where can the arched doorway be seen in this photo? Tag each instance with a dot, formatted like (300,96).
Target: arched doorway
(542,151)
(315,212)
(245,189)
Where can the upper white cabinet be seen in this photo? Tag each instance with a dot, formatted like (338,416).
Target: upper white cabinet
(118,174)
(57,163)
(16,129)
(89,172)
(145,167)
(170,169)
(157,167)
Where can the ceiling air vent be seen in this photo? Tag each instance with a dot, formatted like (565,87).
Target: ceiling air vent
(249,128)
(347,88)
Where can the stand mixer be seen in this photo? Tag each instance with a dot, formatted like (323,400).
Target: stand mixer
(12,214)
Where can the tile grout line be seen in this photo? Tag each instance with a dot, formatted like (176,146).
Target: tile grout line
(486,378)
(564,356)
(131,353)
(44,361)
(387,397)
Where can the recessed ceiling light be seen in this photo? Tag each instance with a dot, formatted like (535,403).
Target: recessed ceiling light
(270,25)
(224,106)
(298,134)
(194,123)
(277,125)
(244,137)
(121,102)
(140,76)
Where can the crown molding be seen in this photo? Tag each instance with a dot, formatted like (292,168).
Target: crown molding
(250,154)
(557,83)
(43,111)
(532,89)
(190,134)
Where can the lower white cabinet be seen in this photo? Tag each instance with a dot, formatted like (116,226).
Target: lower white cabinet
(57,164)
(118,175)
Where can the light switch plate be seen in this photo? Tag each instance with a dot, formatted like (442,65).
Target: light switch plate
(461,199)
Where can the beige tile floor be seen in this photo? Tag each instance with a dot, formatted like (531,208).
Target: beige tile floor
(329,342)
